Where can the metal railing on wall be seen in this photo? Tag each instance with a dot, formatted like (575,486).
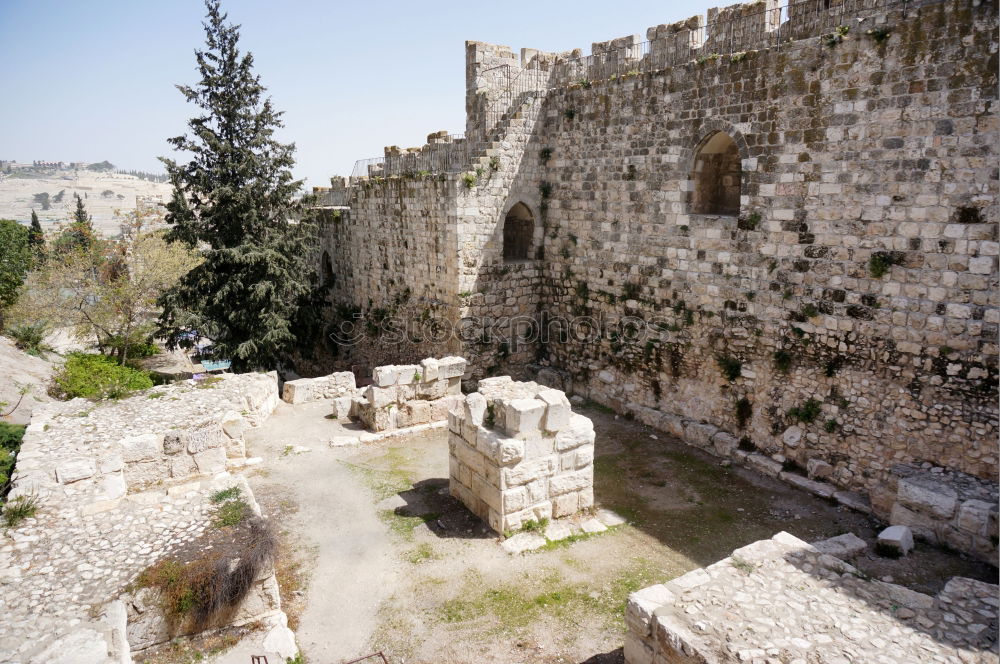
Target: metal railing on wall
(739,30)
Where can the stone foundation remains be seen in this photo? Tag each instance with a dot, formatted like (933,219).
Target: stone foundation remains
(517,453)
(120,485)
(407,395)
(782,600)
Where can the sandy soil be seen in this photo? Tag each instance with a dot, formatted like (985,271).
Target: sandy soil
(383,559)
(19,370)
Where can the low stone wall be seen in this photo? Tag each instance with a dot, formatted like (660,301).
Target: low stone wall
(95,453)
(784,600)
(104,515)
(333,386)
(518,453)
(407,395)
(942,506)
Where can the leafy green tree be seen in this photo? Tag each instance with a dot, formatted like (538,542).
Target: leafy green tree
(234,200)
(102,166)
(15,260)
(43,199)
(36,237)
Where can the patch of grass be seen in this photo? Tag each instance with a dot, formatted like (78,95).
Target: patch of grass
(17,510)
(599,407)
(206,382)
(744,566)
(231,513)
(830,426)
(223,495)
(404,525)
(11,436)
(385,482)
(422,553)
(887,550)
(782,361)
(468,180)
(881,262)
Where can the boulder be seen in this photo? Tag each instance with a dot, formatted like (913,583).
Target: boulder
(844,546)
(899,538)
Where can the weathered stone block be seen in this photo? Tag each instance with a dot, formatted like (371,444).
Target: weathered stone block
(74,470)
(974,517)
(182,465)
(341,407)
(699,435)
(899,538)
(529,471)
(451,367)
(385,376)
(922,495)
(565,505)
(475,408)
(818,469)
(380,397)
(211,461)
(297,391)
(579,432)
(557,410)
(234,424)
(408,374)
(725,444)
(206,437)
(429,370)
(763,464)
(141,448)
(844,546)
(567,482)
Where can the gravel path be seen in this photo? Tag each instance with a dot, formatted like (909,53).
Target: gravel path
(354,565)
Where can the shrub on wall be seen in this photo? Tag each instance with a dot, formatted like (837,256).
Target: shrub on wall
(97,377)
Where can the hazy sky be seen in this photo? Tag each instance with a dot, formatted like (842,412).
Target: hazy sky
(88,80)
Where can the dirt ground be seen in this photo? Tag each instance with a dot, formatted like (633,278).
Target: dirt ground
(377,556)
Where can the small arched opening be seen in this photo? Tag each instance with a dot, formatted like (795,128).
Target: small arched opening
(716,176)
(327,268)
(518,230)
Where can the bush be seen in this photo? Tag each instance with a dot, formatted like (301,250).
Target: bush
(730,366)
(10,443)
(807,412)
(194,592)
(29,337)
(97,377)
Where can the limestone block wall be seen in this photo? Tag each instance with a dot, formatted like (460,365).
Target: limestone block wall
(791,603)
(942,506)
(99,523)
(845,319)
(844,159)
(518,453)
(96,454)
(406,395)
(333,386)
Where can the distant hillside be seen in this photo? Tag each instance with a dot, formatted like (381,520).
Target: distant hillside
(102,193)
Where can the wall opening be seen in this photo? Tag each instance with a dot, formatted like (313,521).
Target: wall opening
(327,267)
(716,176)
(518,229)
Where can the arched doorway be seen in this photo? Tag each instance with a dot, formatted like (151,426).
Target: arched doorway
(716,175)
(327,268)
(518,230)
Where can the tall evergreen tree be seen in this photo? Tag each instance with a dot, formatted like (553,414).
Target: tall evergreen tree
(79,235)
(235,201)
(36,237)
(80,215)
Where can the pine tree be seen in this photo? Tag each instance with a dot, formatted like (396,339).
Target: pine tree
(36,237)
(79,235)
(235,201)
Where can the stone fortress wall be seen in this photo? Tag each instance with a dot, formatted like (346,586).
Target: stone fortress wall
(843,318)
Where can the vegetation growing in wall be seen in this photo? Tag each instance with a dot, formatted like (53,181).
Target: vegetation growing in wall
(569,114)
(879,34)
(831,39)
(881,262)
(469,180)
(545,189)
(807,412)
(545,154)
(744,411)
(749,222)
(730,367)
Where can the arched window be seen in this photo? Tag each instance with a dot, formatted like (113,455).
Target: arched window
(327,269)
(518,229)
(716,176)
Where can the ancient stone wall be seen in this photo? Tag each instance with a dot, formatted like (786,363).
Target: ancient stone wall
(844,318)
(517,453)
(853,297)
(119,485)
(406,395)
(782,599)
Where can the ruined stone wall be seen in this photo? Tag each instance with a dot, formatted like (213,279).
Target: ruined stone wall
(859,149)
(517,453)
(845,319)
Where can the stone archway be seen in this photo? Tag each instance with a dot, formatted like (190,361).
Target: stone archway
(716,176)
(518,233)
